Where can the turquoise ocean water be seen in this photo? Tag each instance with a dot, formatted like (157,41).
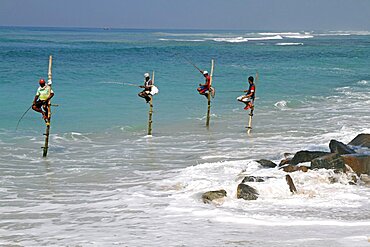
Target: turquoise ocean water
(105,181)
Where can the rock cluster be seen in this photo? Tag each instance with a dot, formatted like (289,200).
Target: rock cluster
(340,156)
(354,156)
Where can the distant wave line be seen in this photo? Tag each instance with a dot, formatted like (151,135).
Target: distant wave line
(246,39)
(289,44)
(183,40)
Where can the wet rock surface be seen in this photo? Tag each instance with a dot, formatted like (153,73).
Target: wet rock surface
(266,163)
(211,196)
(306,156)
(246,192)
(340,148)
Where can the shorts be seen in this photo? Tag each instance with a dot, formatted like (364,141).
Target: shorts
(40,103)
(202,89)
(245,100)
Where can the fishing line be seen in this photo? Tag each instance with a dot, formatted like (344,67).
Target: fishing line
(188,60)
(29,108)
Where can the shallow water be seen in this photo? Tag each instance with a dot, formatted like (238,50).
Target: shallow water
(106,183)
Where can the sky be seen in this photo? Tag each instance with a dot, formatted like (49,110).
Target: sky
(190,14)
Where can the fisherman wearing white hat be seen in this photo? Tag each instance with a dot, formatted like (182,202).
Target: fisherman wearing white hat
(203,89)
(149,88)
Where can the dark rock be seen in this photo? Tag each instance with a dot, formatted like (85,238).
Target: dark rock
(360,163)
(361,140)
(253,179)
(291,168)
(288,155)
(340,148)
(209,196)
(290,183)
(266,163)
(330,161)
(306,156)
(246,192)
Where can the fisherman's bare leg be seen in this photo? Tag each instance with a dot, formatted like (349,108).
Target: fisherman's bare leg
(38,109)
(144,95)
(46,110)
(148,98)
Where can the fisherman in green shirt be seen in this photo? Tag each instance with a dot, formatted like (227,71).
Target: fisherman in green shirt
(41,101)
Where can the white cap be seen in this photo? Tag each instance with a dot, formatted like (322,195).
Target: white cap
(205,72)
(146,75)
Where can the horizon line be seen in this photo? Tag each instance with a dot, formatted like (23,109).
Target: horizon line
(107,28)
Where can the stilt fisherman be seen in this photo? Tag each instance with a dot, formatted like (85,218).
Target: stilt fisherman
(41,101)
(248,98)
(205,88)
(148,83)
(149,88)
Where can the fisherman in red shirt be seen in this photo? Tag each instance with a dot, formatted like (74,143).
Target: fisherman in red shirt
(203,89)
(248,99)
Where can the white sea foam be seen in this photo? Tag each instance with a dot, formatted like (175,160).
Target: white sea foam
(290,222)
(301,36)
(282,104)
(267,38)
(363,82)
(213,115)
(292,35)
(315,191)
(231,40)
(289,44)
(279,33)
(206,157)
(246,39)
(75,136)
(126,128)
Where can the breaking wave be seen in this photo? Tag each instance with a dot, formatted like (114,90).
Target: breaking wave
(289,44)
(282,105)
(246,39)
(231,40)
(363,82)
(291,35)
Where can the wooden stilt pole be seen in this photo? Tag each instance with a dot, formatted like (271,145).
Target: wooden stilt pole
(150,121)
(208,110)
(249,128)
(47,132)
(209,95)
